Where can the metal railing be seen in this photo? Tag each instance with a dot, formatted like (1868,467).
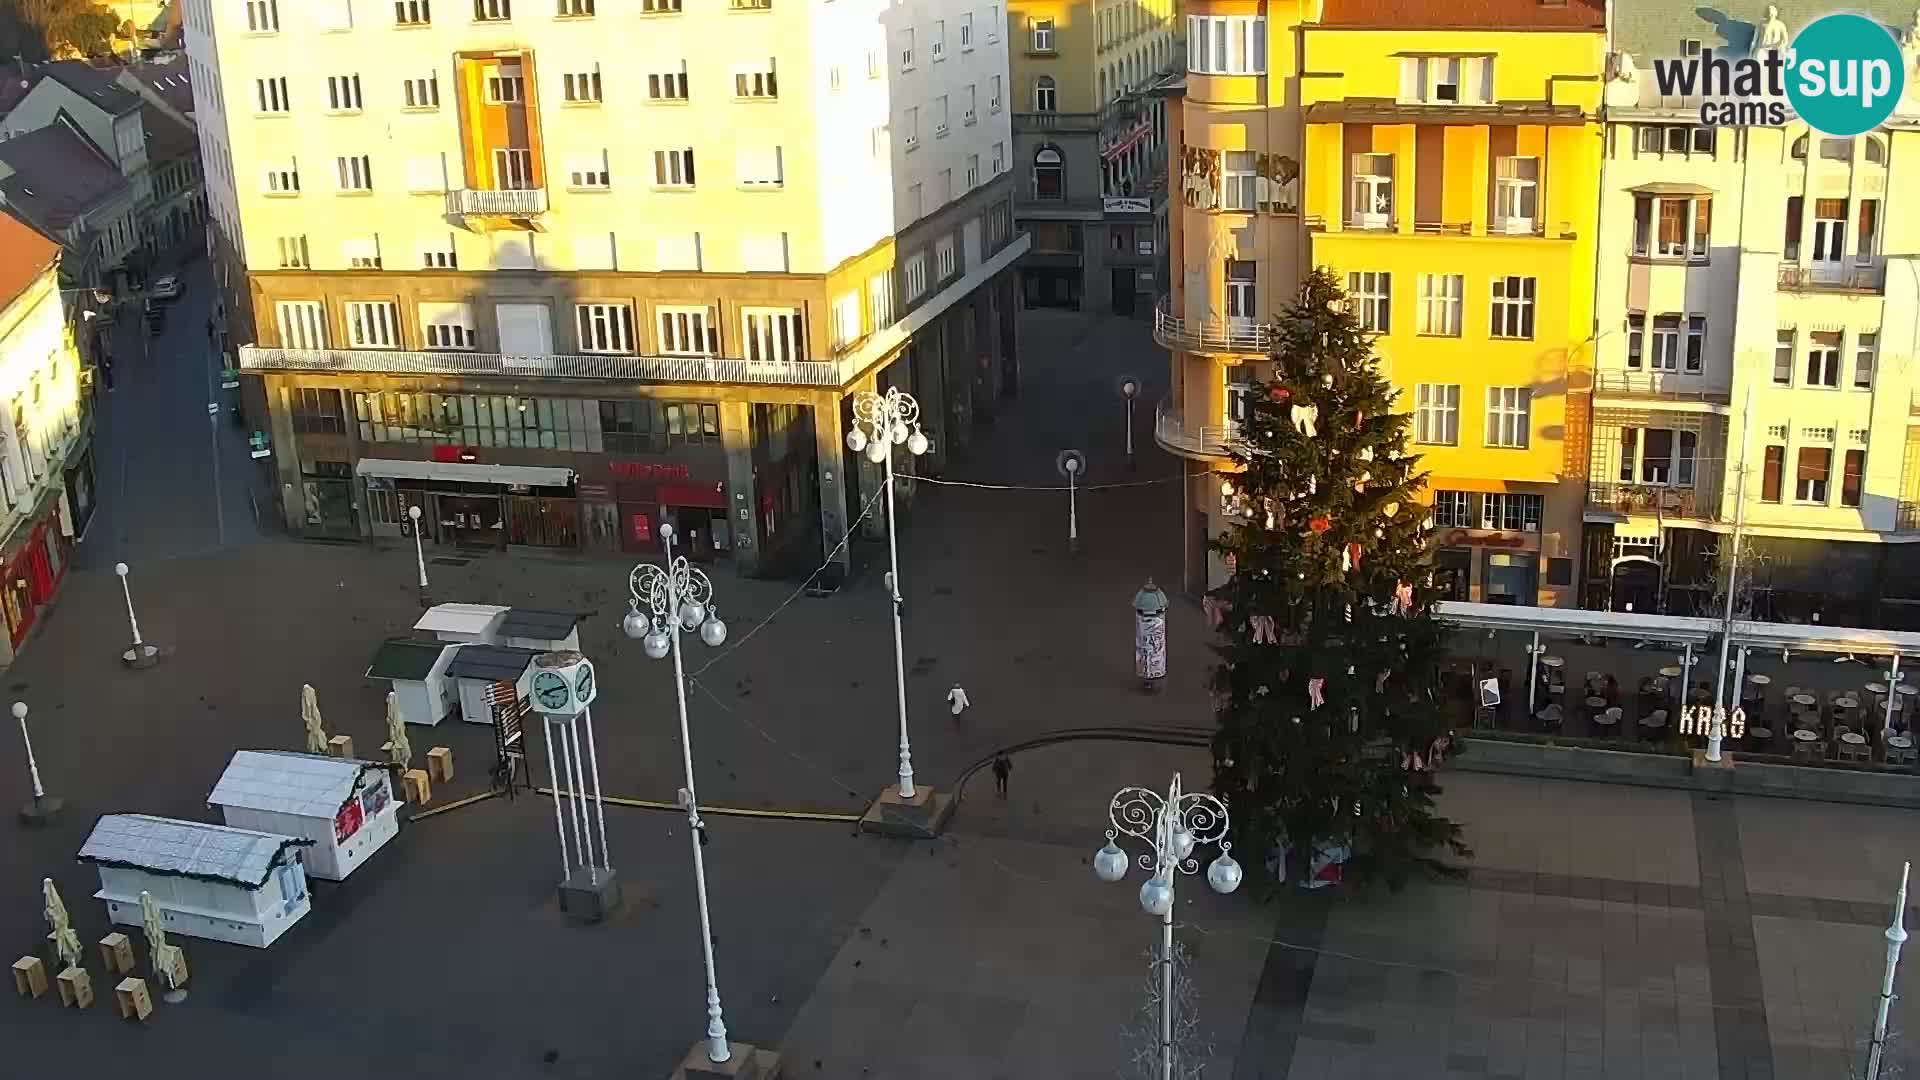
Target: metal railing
(692,369)
(1852,278)
(1653,500)
(1183,438)
(510,201)
(1057,121)
(1659,386)
(1906,517)
(1210,335)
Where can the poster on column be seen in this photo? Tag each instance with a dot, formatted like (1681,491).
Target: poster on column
(1150,645)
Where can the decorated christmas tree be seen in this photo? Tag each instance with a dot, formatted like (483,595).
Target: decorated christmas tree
(1331,714)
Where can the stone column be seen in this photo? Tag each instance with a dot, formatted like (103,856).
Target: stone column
(837,483)
(743,513)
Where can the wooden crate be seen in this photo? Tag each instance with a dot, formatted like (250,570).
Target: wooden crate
(116,954)
(340,746)
(132,997)
(440,765)
(76,988)
(419,789)
(30,976)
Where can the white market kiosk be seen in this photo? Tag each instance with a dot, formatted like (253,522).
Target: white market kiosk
(209,881)
(417,671)
(462,622)
(491,678)
(343,807)
(541,631)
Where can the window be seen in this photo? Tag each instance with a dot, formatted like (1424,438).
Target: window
(846,319)
(427,173)
(303,324)
(1666,343)
(361,252)
(1823,359)
(1516,194)
(1372,191)
(422,93)
(270,95)
(1783,357)
(581,87)
(688,331)
(1853,466)
(331,15)
(1239,180)
(1242,288)
(993,94)
(998,160)
(316,411)
(343,93)
(937,44)
(1791,250)
(1049,174)
(447,326)
(1868,214)
(1636,339)
(669,85)
(284,179)
(973,172)
(1810,474)
(1864,348)
(993,24)
(1829,233)
(1440,303)
(1511,512)
(1672,227)
(513,250)
(760,167)
(941,115)
(492,10)
(1436,414)
(1446,80)
(652,427)
(1513,307)
(1045,94)
(660,7)
(1370,298)
(972,113)
(910,126)
(773,335)
(1836,149)
(1227,44)
(1453,509)
(966,32)
(880,299)
(263,16)
(677,251)
(412,12)
(1770,473)
(944,260)
(915,270)
(1509,416)
(293,253)
(506,85)
(756,82)
(575,8)
(438,253)
(605,328)
(373,324)
(673,168)
(906,49)
(764,252)
(589,172)
(1042,36)
(355,172)
(512,169)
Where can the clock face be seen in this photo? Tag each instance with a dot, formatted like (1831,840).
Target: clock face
(583,684)
(551,691)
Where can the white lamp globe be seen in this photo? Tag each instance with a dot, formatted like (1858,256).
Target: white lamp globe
(692,614)
(1156,897)
(656,644)
(877,452)
(635,625)
(1182,843)
(1110,863)
(916,444)
(1223,874)
(900,432)
(856,440)
(714,633)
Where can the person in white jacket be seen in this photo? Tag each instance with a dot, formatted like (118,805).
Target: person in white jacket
(957,701)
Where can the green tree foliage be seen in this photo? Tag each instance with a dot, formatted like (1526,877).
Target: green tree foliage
(1327,693)
(37,30)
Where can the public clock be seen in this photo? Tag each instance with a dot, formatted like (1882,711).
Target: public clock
(551,692)
(583,685)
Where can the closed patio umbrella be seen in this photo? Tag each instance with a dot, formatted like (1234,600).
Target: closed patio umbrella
(399,750)
(65,941)
(158,949)
(310,712)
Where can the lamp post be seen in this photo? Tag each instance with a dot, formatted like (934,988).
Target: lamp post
(666,600)
(1072,464)
(419,553)
(141,654)
(42,808)
(1174,824)
(1896,935)
(881,422)
(1717,728)
(1129,389)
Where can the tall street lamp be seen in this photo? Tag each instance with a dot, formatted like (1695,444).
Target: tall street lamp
(419,553)
(42,808)
(881,422)
(666,600)
(1129,389)
(1174,824)
(141,654)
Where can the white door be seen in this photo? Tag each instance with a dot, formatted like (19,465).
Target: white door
(1829,239)
(525,329)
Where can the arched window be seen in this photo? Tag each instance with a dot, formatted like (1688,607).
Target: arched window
(1876,151)
(1045,94)
(1049,174)
(1799,150)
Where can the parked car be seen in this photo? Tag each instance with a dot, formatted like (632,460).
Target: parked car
(166,287)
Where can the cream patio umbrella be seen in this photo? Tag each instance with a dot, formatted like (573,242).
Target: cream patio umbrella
(160,952)
(65,941)
(399,750)
(310,712)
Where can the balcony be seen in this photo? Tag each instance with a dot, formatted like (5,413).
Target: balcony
(1652,500)
(482,202)
(689,369)
(1182,438)
(1829,277)
(1640,387)
(1057,121)
(1211,335)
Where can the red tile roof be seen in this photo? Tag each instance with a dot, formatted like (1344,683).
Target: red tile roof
(25,254)
(1487,14)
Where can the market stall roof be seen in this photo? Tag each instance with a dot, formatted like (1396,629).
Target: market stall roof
(494,663)
(1804,637)
(192,849)
(405,658)
(1615,624)
(538,625)
(284,782)
(460,618)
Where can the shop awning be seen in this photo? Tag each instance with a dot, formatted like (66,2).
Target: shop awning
(468,471)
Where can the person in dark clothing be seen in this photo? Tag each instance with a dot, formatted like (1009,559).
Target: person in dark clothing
(1002,768)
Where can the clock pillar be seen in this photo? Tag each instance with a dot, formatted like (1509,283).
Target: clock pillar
(564,687)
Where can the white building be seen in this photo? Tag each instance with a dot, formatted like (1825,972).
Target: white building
(344,808)
(1766,265)
(209,881)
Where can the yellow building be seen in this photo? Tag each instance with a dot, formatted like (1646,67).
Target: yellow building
(1449,180)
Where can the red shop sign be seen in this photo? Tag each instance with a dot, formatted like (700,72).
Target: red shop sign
(647,470)
(1464,538)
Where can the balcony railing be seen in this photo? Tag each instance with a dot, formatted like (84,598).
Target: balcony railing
(553,366)
(1659,386)
(1183,438)
(1850,278)
(1653,500)
(1211,335)
(512,202)
(1057,121)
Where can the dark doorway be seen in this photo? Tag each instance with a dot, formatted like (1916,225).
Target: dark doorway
(1123,290)
(1636,586)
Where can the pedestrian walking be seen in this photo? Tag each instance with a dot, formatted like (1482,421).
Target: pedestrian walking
(1002,768)
(209,329)
(957,701)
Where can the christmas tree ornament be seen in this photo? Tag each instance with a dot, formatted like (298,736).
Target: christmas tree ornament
(1354,551)
(1327,380)
(1403,599)
(1262,627)
(1380,682)
(1392,509)
(1278,393)
(1319,523)
(1306,419)
(1315,686)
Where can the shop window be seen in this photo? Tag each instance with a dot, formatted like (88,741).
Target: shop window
(652,427)
(316,411)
